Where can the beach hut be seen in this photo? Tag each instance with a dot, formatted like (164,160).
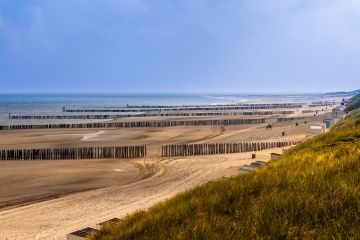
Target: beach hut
(275,156)
(338,111)
(328,122)
(257,164)
(321,127)
(246,168)
(108,222)
(81,234)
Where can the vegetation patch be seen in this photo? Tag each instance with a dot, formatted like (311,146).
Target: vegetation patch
(354,103)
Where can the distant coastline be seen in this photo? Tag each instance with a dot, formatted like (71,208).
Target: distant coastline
(52,103)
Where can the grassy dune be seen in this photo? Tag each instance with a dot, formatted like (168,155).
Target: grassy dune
(313,192)
(354,103)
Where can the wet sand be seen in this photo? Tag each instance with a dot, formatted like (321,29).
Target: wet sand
(25,182)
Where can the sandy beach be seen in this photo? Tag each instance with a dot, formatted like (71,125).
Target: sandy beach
(110,107)
(55,218)
(48,199)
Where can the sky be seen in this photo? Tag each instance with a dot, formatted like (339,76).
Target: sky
(234,46)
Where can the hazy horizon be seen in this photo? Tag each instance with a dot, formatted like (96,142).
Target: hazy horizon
(187,93)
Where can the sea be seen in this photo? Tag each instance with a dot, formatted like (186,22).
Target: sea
(53,103)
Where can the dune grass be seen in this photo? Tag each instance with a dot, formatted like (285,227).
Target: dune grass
(313,192)
(354,103)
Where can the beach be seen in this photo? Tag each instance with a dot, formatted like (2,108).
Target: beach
(49,198)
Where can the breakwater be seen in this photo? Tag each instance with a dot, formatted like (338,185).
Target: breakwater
(176,150)
(253,105)
(139,124)
(287,119)
(310,111)
(321,104)
(74,153)
(188,108)
(176,114)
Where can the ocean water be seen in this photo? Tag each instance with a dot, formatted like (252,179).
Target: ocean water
(52,104)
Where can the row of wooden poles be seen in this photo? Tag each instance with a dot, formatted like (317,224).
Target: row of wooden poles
(128,152)
(252,105)
(321,104)
(74,153)
(166,123)
(190,108)
(177,150)
(176,114)
(287,119)
(310,111)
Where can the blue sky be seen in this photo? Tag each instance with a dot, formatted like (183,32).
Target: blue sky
(179,45)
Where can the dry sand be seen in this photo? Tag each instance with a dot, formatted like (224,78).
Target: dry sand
(60,189)
(24,182)
(53,219)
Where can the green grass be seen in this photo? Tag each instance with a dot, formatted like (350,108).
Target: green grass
(354,103)
(313,192)
(350,121)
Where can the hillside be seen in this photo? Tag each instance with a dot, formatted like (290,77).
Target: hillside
(344,93)
(313,192)
(354,103)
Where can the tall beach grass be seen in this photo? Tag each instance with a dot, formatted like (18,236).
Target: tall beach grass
(313,192)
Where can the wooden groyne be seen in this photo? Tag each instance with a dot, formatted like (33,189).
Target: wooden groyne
(269,113)
(288,119)
(139,124)
(321,104)
(310,111)
(116,116)
(177,150)
(188,108)
(254,105)
(74,153)
(59,117)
